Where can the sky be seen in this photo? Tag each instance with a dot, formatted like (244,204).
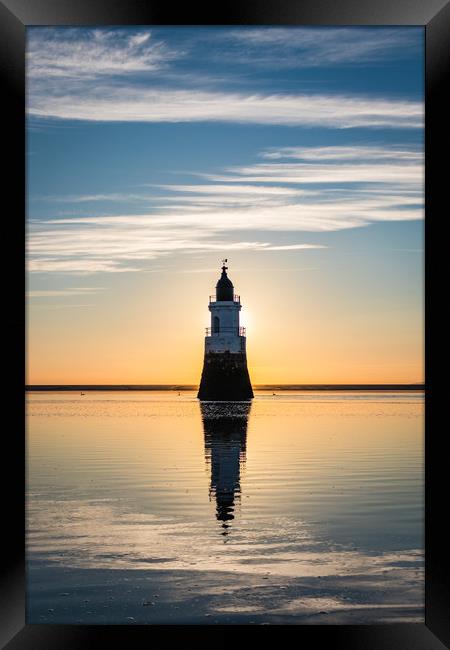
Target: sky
(294,152)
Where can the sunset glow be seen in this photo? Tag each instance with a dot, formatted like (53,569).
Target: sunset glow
(300,165)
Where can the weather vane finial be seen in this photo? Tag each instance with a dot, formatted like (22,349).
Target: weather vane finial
(223,264)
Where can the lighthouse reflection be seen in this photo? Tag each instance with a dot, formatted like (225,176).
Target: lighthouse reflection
(225,430)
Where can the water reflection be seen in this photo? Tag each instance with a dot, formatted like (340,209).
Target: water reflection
(120,530)
(225,430)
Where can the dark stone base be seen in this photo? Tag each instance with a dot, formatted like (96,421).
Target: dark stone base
(225,377)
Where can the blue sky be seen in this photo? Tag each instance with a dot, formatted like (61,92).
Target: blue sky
(159,150)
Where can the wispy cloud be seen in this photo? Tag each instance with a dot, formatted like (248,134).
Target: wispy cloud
(358,153)
(229,213)
(399,168)
(94,198)
(197,194)
(305,173)
(108,244)
(124,75)
(246,190)
(51,293)
(80,54)
(301,47)
(79,265)
(140,104)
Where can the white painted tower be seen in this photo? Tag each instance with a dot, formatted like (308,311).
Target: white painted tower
(225,333)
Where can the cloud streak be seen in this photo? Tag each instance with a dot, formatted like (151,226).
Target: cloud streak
(51,293)
(358,153)
(79,54)
(249,208)
(112,244)
(306,174)
(139,104)
(299,47)
(134,75)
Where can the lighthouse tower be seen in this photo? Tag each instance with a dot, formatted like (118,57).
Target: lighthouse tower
(225,375)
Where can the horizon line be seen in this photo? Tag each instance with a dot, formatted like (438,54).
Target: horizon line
(189,387)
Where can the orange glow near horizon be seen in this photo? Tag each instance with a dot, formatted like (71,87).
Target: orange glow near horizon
(302,327)
(155,153)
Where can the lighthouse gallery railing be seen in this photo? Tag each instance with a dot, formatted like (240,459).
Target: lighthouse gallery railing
(236,298)
(237,331)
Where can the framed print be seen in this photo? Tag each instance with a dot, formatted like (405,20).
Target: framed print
(232,248)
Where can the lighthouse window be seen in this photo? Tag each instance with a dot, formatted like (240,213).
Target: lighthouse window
(216,324)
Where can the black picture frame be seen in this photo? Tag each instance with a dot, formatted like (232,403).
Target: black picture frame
(434,15)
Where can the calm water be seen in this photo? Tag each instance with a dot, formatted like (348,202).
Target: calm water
(147,507)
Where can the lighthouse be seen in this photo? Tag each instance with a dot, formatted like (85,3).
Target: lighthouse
(225,374)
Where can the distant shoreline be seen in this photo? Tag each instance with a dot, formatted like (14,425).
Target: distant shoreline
(187,387)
